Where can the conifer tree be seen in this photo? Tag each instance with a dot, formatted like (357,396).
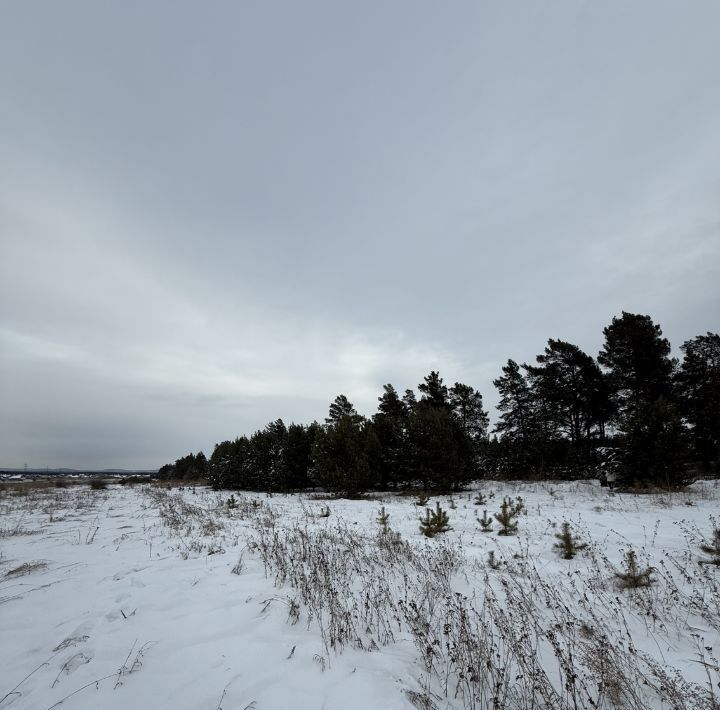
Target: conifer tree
(391,427)
(713,549)
(575,390)
(467,406)
(435,522)
(409,400)
(698,388)
(345,457)
(390,404)
(517,422)
(506,517)
(383,519)
(652,443)
(296,460)
(634,577)
(339,408)
(440,453)
(434,392)
(567,544)
(485,522)
(422,499)
(638,362)
(654,446)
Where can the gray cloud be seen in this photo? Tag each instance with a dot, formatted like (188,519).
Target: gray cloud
(214,216)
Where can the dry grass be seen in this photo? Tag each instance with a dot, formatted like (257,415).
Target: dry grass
(25,568)
(516,640)
(16,530)
(508,636)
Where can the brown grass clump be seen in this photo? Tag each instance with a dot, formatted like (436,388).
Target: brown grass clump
(25,568)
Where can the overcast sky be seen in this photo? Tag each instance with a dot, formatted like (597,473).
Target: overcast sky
(215,214)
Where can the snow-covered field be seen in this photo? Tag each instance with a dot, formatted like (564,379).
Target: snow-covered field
(145,597)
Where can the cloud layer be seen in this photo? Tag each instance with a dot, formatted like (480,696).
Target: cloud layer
(216,216)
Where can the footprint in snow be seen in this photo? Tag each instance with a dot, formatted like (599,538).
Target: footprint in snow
(121,575)
(74,662)
(71,641)
(80,635)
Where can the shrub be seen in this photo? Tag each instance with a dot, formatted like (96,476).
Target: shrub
(383,519)
(98,484)
(713,549)
(506,517)
(435,522)
(634,577)
(422,499)
(485,522)
(132,480)
(567,545)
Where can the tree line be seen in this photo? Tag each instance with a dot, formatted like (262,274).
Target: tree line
(635,410)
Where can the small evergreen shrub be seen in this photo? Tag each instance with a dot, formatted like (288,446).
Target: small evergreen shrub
(633,577)
(506,517)
(435,522)
(383,520)
(713,549)
(567,544)
(485,522)
(422,499)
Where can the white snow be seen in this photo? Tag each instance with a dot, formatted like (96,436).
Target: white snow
(126,598)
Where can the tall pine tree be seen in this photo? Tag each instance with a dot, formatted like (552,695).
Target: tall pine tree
(638,364)
(391,428)
(698,388)
(640,373)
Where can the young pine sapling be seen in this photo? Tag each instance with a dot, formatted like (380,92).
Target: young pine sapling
(713,549)
(633,577)
(422,499)
(485,522)
(567,544)
(435,522)
(383,519)
(506,518)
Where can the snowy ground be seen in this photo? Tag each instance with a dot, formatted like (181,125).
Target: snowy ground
(145,597)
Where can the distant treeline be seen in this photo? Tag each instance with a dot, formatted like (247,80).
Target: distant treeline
(634,410)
